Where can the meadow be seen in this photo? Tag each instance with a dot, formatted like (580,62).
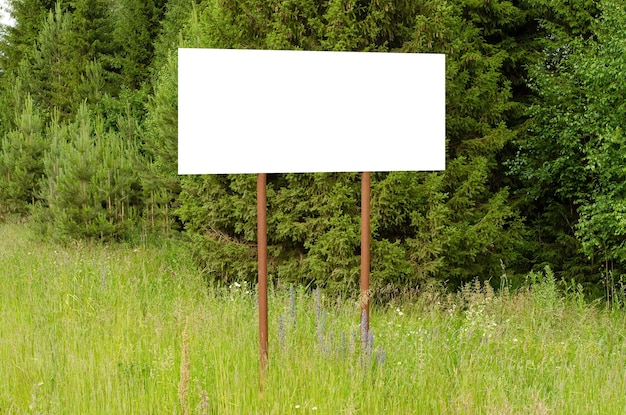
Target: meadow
(117,329)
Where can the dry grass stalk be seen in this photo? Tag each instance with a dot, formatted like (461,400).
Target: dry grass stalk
(183,385)
(203,406)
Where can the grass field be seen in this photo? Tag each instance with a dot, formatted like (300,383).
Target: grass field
(90,329)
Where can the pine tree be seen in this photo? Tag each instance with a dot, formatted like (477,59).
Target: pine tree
(91,185)
(16,43)
(47,70)
(73,58)
(19,39)
(91,41)
(21,161)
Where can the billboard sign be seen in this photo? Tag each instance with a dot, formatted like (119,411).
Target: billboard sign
(270,111)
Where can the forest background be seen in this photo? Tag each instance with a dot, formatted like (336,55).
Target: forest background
(535,171)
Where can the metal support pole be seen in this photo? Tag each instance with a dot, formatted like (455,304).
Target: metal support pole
(365,253)
(261,193)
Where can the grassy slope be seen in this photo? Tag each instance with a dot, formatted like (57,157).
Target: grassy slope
(103,330)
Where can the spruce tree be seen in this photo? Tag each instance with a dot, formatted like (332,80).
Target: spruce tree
(73,58)
(160,180)
(457,225)
(176,14)
(20,38)
(137,25)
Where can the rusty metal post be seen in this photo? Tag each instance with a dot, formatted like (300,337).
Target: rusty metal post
(261,194)
(365,253)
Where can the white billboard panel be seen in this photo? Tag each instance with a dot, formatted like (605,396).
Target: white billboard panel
(267,111)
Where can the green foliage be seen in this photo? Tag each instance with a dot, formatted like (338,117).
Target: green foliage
(92,29)
(83,67)
(160,182)
(601,227)
(452,226)
(19,39)
(175,16)
(85,50)
(159,174)
(70,60)
(564,19)
(91,187)
(45,70)
(136,26)
(95,144)
(21,160)
(573,155)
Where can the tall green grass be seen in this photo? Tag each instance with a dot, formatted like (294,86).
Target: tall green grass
(91,329)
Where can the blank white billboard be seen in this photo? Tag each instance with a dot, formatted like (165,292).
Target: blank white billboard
(268,111)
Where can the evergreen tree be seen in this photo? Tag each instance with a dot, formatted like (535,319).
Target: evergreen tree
(175,16)
(16,41)
(21,161)
(19,39)
(456,225)
(91,186)
(160,181)
(47,71)
(72,58)
(136,27)
(91,41)
(92,28)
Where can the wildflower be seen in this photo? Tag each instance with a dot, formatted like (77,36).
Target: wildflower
(318,304)
(342,346)
(380,355)
(292,305)
(314,408)
(297,406)
(281,330)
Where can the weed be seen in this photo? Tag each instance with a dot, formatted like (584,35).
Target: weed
(183,384)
